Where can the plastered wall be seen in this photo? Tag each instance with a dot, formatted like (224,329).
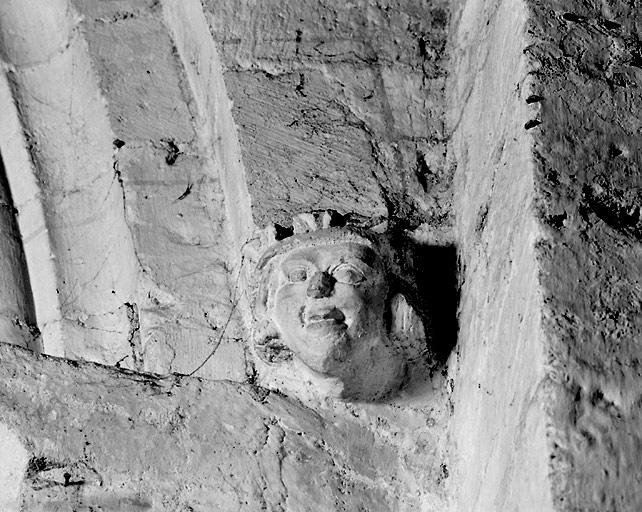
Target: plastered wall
(500,133)
(499,364)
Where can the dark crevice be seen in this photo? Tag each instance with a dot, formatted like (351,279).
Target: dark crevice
(188,191)
(436,269)
(301,85)
(133,337)
(299,34)
(534,98)
(172,150)
(557,221)
(611,25)
(283,231)
(422,171)
(613,210)
(573,18)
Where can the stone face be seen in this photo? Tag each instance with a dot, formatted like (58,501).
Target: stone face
(324,310)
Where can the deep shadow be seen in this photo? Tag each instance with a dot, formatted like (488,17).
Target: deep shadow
(13,244)
(436,273)
(433,290)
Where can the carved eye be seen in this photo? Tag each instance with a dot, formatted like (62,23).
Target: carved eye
(348,274)
(297,275)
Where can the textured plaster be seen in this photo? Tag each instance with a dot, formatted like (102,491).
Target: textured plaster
(181,443)
(169,157)
(587,61)
(338,105)
(499,368)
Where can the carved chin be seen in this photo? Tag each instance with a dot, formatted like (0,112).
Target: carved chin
(327,346)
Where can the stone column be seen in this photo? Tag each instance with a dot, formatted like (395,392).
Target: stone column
(70,141)
(499,424)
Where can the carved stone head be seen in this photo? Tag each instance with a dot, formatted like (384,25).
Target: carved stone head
(323,304)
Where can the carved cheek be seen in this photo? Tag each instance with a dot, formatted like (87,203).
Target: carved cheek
(288,305)
(349,300)
(363,306)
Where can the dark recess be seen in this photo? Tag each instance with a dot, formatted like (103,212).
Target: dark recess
(437,290)
(574,18)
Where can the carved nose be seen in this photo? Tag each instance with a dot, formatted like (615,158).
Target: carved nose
(321,285)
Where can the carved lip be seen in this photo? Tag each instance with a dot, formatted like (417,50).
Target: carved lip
(327,316)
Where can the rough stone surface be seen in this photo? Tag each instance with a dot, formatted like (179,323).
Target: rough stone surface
(339,105)
(587,148)
(104,438)
(173,196)
(500,141)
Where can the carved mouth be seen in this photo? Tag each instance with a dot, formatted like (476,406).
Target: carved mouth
(333,315)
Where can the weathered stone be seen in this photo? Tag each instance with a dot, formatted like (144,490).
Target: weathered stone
(589,195)
(99,437)
(173,195)
(496,145)
(338,105)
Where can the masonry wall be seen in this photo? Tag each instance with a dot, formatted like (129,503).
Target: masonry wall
(176,179)
(116,440)
(169,156)
(551,272)
(587,149)
(512,145)
(339,105)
